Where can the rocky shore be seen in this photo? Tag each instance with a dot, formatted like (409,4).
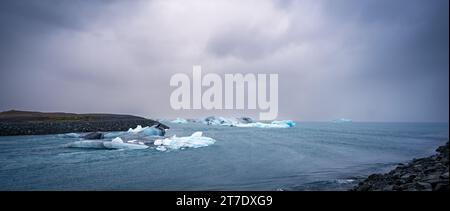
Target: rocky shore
(424,174)
(38,123)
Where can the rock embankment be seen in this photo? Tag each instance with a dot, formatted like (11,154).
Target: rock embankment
(38,123)
(424,174)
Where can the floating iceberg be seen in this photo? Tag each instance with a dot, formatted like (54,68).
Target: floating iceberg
(342,120)
(114,134)
(274,124)
(149,131)
(138,129)
(284,123)
(196,140)
(247,122)
(179,121)
(116,143)
(70,135)
(213,120)
(117,140)
(87,144)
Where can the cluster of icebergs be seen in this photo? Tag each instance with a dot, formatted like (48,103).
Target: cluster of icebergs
(147,137)
(238,122)
(153,137)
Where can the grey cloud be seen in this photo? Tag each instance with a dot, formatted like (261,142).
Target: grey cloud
(243,43)
(366,60)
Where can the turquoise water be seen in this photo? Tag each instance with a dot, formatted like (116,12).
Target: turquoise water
(310,156)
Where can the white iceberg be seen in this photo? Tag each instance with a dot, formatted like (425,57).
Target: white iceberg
(114,134)
(179,121)
(247,122)
(138,129)
(196,140)
(70,135)
(342,120)
(213,120)
(284,123)
(274,124)
(122,145)
(116,143)
(87,144)
(149,131)
(117,140)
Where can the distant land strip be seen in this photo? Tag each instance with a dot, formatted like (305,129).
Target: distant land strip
(16,122)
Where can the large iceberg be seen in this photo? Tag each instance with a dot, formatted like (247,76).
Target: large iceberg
(149,131)
(246,122)
(196,140)
(179,121)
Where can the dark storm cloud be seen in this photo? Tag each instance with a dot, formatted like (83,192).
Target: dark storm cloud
(367,60)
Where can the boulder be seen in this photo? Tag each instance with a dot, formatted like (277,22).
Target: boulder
(423,186)
(93,136)
(444,175)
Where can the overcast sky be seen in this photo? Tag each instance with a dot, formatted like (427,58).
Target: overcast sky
(367,60)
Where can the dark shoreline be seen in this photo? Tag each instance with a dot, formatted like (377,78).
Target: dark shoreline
(423,174)
(13,123)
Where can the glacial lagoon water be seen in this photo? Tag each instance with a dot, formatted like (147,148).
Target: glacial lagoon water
(309,156)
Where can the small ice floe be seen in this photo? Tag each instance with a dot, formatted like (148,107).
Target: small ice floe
(88,144)
(116,143)
(135,142)
(213,120)
(179,121)
(284,123)
(274,124)
(117,140)
(196,140)
(344,181)
(114,134)
(70,135)
(342,120)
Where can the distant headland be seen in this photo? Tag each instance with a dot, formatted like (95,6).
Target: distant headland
(14,122)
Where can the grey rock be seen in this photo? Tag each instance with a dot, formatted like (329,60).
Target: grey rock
(441,187)
(388,188)
(431,177)
(93,136)
(364,187)
(397,188)
(424,186)
(423,174)
(444,175)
